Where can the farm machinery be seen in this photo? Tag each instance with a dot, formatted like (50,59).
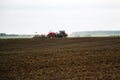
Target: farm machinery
(61,34)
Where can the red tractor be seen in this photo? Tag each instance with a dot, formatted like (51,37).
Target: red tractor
(54,35)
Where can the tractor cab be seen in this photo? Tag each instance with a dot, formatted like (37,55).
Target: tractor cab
(62,34)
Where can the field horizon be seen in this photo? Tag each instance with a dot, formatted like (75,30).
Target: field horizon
(87,58)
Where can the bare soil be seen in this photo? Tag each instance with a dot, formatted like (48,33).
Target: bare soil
(60,59)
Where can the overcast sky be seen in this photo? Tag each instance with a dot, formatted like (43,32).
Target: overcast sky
(42,16)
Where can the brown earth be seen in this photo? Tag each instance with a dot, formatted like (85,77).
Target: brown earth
(60,59)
